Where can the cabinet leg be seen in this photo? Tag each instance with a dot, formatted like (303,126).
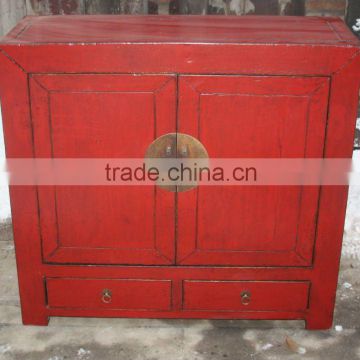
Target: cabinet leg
(318,323)
(33,303)
(35,319)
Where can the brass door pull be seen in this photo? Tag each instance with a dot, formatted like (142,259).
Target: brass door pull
(184,151)
(168,151)
(177,146)
(106,296)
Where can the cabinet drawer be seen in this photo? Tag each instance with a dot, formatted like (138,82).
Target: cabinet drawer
(245,295)
(112,294)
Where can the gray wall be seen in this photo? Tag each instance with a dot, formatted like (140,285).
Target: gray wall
(11,11)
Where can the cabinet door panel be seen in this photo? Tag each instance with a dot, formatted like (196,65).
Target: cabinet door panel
(251,117)
(103,116)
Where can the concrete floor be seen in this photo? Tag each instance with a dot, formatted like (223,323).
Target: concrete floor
(78,338)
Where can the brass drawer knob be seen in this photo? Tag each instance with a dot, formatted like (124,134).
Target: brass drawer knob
(106,296)
(245,297)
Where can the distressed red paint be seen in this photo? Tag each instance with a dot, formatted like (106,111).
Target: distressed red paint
(253,87)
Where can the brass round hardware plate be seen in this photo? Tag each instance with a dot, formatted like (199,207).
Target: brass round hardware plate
(175,146)
(163,147)
(245,297)
(106,296)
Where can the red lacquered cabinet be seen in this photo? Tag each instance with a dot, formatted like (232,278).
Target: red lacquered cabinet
(249,87)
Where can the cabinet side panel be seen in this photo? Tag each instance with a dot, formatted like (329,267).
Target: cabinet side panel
(333,199)
(18,140)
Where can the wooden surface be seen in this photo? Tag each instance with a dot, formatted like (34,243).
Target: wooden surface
(323,66)
(137,110)
(120,294)
(180,29)
(250,117)
(262,295)
(12,11)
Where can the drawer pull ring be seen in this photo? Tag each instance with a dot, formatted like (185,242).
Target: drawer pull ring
(245,297)
(106,296)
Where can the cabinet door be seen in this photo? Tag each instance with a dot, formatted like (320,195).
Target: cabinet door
(251,117)
(103,116)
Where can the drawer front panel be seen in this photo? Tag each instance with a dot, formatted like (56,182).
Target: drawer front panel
(109,294)
(245,295)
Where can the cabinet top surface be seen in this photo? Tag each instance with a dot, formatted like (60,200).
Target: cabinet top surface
(90,29)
